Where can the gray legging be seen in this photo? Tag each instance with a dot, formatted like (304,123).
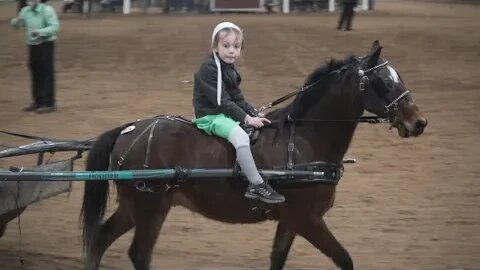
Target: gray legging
(240,140)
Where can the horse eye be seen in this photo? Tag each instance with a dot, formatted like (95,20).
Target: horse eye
(389,84)
(387,81)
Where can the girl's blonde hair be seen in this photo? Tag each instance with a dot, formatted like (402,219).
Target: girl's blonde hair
(238,34)
(222,28)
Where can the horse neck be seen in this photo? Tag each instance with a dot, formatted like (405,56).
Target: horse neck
(341,101)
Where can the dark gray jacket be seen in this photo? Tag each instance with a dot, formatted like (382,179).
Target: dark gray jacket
(232,104)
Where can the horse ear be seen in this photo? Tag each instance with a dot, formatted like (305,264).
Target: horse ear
(375,46)
(374,54)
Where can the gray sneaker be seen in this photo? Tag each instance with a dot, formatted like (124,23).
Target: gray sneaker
(32,107)
(264,192)
(45,109)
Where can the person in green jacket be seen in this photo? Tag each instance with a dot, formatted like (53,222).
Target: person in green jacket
(41,24)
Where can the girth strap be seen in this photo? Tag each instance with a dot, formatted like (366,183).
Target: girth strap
(291,145)
(149,143)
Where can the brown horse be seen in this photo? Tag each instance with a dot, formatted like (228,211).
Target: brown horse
(325,115)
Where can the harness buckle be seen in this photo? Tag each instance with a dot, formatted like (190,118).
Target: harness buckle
(120,161)
(289,165)
(142,186)
(363,83)
(291,147)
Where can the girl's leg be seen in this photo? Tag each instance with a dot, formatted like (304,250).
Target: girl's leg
(258,189)
(240,140)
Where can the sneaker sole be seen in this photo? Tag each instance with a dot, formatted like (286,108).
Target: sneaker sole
(256,197)
(45,111)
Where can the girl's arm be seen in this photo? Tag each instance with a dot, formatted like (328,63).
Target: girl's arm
(242,103)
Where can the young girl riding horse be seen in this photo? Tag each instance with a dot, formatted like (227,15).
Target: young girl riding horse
(220,106)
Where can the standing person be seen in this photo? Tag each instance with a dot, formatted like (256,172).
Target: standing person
(346,17)
(220,106)
(41,27)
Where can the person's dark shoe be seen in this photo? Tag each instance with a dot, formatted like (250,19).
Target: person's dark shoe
(32,107)
(45,109)
(264,193)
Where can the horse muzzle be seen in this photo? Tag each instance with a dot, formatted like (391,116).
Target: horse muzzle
(409,121)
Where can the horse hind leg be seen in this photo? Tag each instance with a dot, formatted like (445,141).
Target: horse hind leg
(117,225)
(149,220)
(281,246)
(3,227)
(7,217)
(319,235)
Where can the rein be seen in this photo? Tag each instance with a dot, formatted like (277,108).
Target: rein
(362,119)
(362,87)
(300,90)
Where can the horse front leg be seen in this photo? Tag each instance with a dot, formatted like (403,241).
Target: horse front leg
(149,217)
(281,246)
(318,234)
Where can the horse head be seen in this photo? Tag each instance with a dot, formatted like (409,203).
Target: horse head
(384,93)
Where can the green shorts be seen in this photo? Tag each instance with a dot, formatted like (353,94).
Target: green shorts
(218,124)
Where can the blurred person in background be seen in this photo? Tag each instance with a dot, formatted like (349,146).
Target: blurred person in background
(345,22)
(41,27)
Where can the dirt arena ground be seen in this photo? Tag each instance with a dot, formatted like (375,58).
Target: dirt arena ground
(407,204)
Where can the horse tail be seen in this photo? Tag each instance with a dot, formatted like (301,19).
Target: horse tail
(96,192)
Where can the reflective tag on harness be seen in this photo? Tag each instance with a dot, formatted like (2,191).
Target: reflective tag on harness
(127,130)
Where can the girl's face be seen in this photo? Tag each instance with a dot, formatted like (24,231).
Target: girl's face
(229,46)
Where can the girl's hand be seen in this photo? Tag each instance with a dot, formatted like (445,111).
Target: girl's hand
(257,122)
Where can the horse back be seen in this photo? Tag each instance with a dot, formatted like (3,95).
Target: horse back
(167,142)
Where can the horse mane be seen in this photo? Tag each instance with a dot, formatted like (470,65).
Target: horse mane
(313,94)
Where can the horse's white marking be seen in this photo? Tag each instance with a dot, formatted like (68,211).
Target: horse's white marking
(127,129)
(393,74)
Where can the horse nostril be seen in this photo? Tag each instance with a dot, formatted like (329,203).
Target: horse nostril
(420,125)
